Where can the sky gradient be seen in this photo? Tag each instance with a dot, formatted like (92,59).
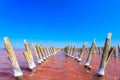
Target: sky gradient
(59,22)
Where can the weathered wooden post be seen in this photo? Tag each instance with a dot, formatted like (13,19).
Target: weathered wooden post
(49,52)
(118,50)
(54,51)
(79,51)
(45,53)
(99,50)
(65,50)
(74,48)
(42,53)
(115,52)
(87,64)
(87,50)
(79,58)
(68,50)
(37,54)
(28,49)
(107,52)
(70,54)
(29,61)
(11,54)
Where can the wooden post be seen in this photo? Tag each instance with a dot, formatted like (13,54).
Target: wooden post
(79,51)
(29,61)
(28,49)
(106,55)
(65,51)
(110,53)
(54,51)
(37,54)
(115,52)
(99,50)
(11,54)
(44,50)
(87,64)
(49,52)
(118,50)
(42,53)
(82,52)
(68,50)
(87,50)
(74,48)
(70,54)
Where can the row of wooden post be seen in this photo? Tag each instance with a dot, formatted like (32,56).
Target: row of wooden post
(107,52)
(69,51)
(42,54)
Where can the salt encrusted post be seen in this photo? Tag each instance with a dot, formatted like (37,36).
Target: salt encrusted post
(70,54)
(79,51)
(51,50)
(29,61)
(119,50)
(41,51)
(28,49)
(47,52)
(37,55)
(68,50)
(106,55)
(54,51)
(79,58)
(11,54)
(48,49)
(45,57)
(92,49)
(65,50)
(74,48)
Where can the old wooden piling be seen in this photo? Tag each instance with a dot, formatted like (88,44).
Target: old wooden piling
(79,58)
(12,57)
(92,49)
(106,55)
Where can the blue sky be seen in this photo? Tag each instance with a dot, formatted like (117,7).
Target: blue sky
(59,22)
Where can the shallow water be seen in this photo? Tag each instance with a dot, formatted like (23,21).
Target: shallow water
(59,67)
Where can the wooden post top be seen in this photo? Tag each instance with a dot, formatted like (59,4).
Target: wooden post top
(109,35)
